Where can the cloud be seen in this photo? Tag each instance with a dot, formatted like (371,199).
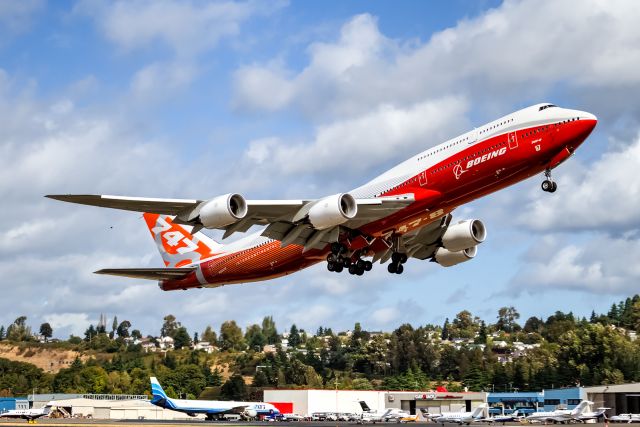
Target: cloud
(519,50)
(603,195)
(601,265)
(185,27)
(160,80)
(384,133)
(17,16)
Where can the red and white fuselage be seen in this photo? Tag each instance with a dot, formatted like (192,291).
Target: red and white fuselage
(481,161)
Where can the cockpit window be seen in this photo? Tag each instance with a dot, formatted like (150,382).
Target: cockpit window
(543,107)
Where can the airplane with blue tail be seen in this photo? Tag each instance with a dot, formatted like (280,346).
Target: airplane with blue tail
(213,409)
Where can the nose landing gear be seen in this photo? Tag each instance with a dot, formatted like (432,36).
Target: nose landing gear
(548,184)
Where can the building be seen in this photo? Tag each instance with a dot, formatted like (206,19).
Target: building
(41,400)
(10,403)
(524,402)
(307,402)
(563,398)
(621,398)
(116,410)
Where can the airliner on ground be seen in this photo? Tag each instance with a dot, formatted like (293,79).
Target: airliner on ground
(560,415)
(403,213)
(27,414)
(213,409)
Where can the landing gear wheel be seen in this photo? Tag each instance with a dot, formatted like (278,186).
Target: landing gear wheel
(332,258)
(547,185)
(360,271)
(338,268)
(347,262)
(403,258)
(395,257)
(360,264)
(553,188)
(399,269)
(353,269)
(331,266)
(368,266)
(392,268)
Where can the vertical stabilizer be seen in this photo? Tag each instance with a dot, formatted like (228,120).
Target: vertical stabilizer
(478,411)
(178,246)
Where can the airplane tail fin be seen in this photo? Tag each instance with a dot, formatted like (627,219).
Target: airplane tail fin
(159,397)
(478,411)
(515,413)
(581,407)
(176,244)
(364,406)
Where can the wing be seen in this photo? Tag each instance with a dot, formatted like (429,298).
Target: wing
(289,217)
(149,273)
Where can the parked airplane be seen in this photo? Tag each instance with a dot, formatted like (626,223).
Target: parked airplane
(368,415)
(403,213)
(560,415)
(625,418)
(503,418)
(600,413)
(460,417)
(27,414)
(213,409)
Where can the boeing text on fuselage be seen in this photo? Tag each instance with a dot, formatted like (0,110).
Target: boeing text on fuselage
(404,213)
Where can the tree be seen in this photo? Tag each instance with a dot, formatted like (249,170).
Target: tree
(181,338)
(507,317)
(234,388)
(1,333)
(209,335)
(445,329)
(114,327)
(255,338)
(170,326)
(136,334)
(269,330)
(18,330)
(231,336)
(46,331)
(90,333)
(260,379)
(294,336)
(123,329)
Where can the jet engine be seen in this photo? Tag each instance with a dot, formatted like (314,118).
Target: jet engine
(447,258)
(223,210)
(333,210)
(250,413)
(465,234)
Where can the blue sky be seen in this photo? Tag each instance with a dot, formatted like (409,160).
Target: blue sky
(299,99)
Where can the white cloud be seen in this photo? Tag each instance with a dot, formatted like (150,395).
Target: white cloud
(601,265)
(519,50)
(186,27)
(384,133)
(16,16)
(603,195)
(160,80)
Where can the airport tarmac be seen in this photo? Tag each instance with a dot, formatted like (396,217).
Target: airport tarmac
(80,422)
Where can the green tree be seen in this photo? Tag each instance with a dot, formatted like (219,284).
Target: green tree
(181,338)
(170,326)
(136,334)
(114,327)
(507,317)
(260,379)
(294,336)
(123,329)
(46,331)
(18,330)
(234,388)
(209,335)
(255,338)
(269,330)
(231,336)
(2,333)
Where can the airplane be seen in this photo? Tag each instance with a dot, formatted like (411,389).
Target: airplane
(404,213)
(368,415)
(625,418)
(460,417)
(213,409)
(560,415)
(600,413)
(27,414)
(503,418)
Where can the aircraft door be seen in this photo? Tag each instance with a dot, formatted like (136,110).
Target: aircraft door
(512,139)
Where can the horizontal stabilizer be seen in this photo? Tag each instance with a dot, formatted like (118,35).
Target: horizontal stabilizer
(149,273)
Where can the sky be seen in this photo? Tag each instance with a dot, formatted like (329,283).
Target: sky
(301,99)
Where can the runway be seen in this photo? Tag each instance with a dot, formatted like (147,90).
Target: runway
(80,422)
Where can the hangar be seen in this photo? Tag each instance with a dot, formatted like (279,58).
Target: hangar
(621,398)
(307,402)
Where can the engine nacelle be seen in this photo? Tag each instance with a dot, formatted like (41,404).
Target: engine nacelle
(223,210)
(333,210)
(250,413)
(464,234)
(447,258)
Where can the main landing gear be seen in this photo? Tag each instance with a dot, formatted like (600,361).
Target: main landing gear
(397,259)
(548,184)
(338,260)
